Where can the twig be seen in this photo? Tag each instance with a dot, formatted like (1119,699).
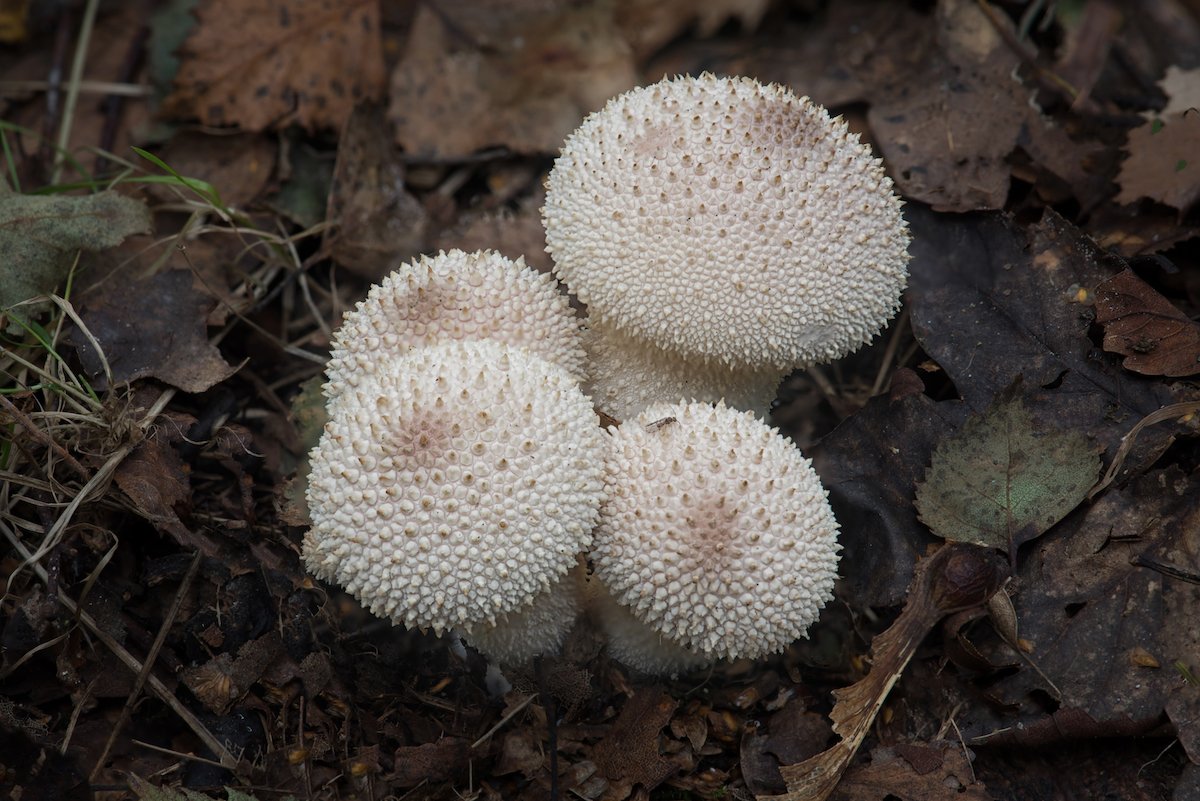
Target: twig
(41,436)
(144,673)
(161,690)
(500,723)
(68,116)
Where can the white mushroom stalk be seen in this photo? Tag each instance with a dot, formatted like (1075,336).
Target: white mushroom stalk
(454,484)
(626,376)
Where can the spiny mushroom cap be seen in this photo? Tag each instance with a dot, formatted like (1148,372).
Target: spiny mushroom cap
(631,642)
(627,376)
(454,484)
(537,628)
(456,296)
(727,221)
(715,530)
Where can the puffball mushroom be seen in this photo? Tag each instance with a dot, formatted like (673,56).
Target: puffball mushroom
(626,376)
(631,642)
(715,531)
(456,296)
(454,484)
(727,221)
(537,628)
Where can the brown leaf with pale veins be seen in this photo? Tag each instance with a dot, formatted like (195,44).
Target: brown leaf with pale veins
(1140,324)
(261,64)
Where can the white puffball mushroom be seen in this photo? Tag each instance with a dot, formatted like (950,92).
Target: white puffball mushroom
(626,376)
(727,221)
(715,531)
(456,296)
(536,629)
(454,484)
(631,642)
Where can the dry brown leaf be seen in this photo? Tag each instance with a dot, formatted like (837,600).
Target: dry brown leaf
(154,327)
(238,165)
(525,87)
(261,64)
(939,771)
(955,577)
(1140,324)
(650,24)
(1164,161)
(155,479)
(630,751)
(379,224)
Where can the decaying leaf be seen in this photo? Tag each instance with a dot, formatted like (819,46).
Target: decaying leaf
(955,577)
(430,762)
(1021,308)
(1164,152)
(40,235)
(629,754)
(151,327)
(1000,481)
(1140,324)
(265,64)
(517,76)
(1100,594)
(939,771)
(155,479)
(379,224)
(870,464)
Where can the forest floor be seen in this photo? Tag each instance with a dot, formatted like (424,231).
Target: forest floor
(168,311)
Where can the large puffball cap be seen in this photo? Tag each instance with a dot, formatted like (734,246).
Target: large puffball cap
(727,220)
(454,484)
(456,296)
(716,531)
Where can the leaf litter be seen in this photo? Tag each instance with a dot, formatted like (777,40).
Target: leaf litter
(993,592)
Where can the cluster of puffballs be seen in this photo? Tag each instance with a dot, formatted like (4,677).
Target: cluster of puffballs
(721,233)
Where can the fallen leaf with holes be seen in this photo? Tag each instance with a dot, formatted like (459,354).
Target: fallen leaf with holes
(520,77)
(954,577)
(263,64)
(1140,324)
(1164,151)
(1000,481)
(154,327)
(40,236)
(378,223)
(939,771)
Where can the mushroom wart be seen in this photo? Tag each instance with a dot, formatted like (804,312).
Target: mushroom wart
(727,221)
(715,532)
(454,484)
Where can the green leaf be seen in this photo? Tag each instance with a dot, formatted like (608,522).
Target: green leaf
(39,237)
(1000,481)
